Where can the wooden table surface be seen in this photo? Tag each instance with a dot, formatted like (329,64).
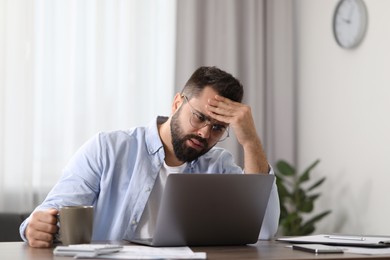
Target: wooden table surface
(260,250)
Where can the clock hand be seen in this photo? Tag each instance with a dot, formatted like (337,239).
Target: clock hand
(348,21)
(350,13)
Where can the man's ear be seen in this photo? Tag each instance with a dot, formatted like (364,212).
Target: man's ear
(177,101)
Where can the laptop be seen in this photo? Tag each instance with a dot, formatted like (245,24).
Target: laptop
(211,210)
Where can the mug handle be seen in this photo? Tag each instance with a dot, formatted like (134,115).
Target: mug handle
(56,237)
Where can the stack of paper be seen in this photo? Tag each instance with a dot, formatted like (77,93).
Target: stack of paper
(368,245)
(86,250)
(128,252)
(341,240)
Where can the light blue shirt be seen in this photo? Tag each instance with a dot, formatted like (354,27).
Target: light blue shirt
(115,172)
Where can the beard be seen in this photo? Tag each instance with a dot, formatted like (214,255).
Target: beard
(183,152)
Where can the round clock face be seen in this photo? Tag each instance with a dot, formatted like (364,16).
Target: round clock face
(350,23)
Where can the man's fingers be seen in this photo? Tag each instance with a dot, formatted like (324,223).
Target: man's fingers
(39,243)
(223,105)
(226,111)
(38,238)
(49,216)
(44,227)
(39,235)
(41,228)
(53,212)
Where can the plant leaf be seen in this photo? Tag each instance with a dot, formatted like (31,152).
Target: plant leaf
(304,177)
(315,185)
(291,224)
(295,199)
(308,169)
(299,196)
(283,212)
(317,218)
(306,174)
(314,196)
(306,230)
(306,206)
(285,168)
(282,189)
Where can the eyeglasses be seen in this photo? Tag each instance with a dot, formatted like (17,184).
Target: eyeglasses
(199,120)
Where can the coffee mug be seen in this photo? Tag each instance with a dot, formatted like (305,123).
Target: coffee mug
(75,224)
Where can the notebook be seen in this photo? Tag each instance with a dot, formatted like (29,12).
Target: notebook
(340,240)
(211,209)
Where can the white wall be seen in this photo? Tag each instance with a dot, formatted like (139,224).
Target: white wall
(343,99)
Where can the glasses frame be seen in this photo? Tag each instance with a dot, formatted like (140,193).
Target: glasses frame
(207,121)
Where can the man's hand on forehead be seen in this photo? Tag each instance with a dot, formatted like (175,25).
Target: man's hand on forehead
(222,109)
(237,115)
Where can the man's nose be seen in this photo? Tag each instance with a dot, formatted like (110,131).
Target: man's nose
(205,131)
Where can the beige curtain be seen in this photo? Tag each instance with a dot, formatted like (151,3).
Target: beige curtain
(281,85)
(70,69)
(244,38)
(229,35)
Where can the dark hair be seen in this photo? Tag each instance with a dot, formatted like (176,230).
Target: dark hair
(220,81)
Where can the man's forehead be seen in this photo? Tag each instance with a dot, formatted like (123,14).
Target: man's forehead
(204,95)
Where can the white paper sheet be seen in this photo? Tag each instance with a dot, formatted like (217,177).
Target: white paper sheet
(146,252)
(337,239)
(361,250)
(366,251)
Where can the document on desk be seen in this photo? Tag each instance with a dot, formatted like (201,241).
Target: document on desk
(146,252)
(341,240)
(366,250)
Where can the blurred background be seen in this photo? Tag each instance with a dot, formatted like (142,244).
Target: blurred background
(72,68)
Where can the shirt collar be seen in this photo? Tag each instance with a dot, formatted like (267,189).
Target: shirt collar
(153,140)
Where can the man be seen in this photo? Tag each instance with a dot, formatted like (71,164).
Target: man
(122,173)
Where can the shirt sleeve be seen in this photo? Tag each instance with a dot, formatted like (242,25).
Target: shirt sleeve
(79,184)
(272,214)
(22,229)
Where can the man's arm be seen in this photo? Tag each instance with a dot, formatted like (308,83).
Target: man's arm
(239,117)
(79,185)
(271,218)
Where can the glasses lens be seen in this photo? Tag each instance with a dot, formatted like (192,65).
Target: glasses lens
(224,135)
(197,121)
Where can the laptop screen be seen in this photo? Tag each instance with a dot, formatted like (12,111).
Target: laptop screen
(211,209)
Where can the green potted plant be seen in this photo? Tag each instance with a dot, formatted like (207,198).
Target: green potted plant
(297,197)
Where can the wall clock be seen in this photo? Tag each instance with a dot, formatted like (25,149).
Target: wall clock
(350,20)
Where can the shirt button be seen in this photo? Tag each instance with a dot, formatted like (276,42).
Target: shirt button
(148,189)
(134,222)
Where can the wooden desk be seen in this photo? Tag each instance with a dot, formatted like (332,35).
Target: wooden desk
(261,250)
